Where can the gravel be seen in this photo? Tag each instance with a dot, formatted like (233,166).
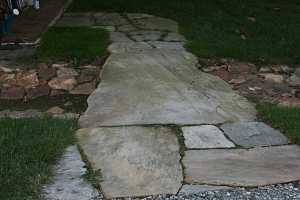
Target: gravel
(289,191)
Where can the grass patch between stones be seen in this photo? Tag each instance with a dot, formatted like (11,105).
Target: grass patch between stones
(29,149)
(78,44)
(287,119)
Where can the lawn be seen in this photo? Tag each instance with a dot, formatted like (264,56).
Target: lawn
(265,31)
(79,44)
(284,118)
(29,148)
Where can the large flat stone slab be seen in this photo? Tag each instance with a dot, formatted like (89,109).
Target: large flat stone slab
(161,87)
(251,134)
(240,167)
(205,137)
(134,161)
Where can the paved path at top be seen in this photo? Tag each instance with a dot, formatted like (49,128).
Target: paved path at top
(150,79)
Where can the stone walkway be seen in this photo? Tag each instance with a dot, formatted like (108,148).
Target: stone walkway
(158,125)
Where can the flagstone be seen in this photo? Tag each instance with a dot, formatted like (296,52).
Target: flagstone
(206,136)
(242,167)
(251,134)
(134,161)
(156,23)
(161,87)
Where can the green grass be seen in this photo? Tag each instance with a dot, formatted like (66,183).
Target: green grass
(214,27)
(286,119)
(29,148)
(79,44)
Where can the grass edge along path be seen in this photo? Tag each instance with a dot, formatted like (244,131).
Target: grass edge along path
(260,31)
(286,119)
(29,150)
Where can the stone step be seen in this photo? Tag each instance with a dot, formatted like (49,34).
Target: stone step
(241,167)
(134,161)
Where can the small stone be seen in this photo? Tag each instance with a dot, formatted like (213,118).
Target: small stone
(222,73)
(238,81)
(84,89)
(39,91)
(62,83)
(253,134)
(252,19)
(276,69)
(27,79)
(206,136)
(6,70)
(196,189)
(85,78)
(8,79)
(12,93)
(59,65)
(239,67)
(66,72)
(297,72)
(213,68)
(88,67)
(55,93)
(265,70)
(276,78)
(46,73)
(294,80)
(286,69)
(55,110)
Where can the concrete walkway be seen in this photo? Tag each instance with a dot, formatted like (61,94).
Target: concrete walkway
(156,122)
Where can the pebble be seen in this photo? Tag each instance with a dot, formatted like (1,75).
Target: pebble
(280,192)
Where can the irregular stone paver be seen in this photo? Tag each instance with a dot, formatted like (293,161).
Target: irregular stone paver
(240,167)
(196,189)
(122,47)
(174,37)
(167,45)
(109,19)
(133,16)
(156,23)
(206,136)
(134,161)
(251,134)
(68,182)
(119,37)
(161,87)
(127,28)
(140,36)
